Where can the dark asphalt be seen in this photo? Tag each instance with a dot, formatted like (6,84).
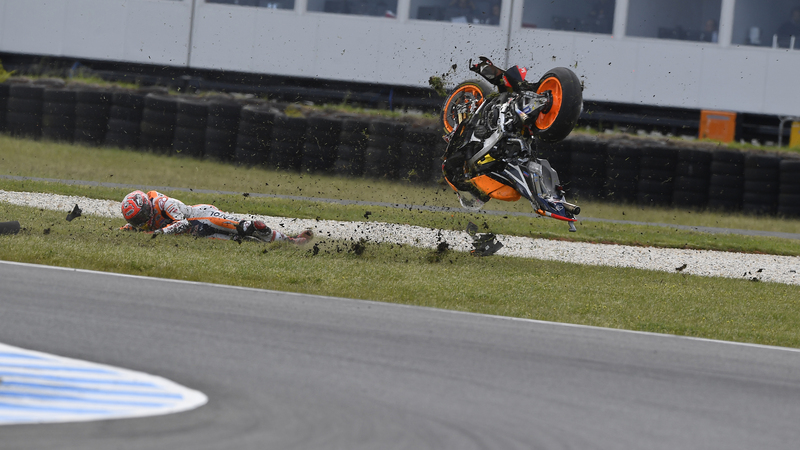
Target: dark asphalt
(287,371)
(583,218)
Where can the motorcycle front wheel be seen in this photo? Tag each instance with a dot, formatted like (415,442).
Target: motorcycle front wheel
(557,120)
(463,101)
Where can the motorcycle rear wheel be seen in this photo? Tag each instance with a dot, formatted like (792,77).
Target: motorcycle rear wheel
(557,121)
(466,92)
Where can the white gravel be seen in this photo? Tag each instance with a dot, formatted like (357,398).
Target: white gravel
(769,268)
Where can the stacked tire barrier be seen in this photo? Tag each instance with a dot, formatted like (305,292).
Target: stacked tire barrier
(559,156)
(255,135)
(726,185)
(58,114)
(286,146)
(789,191)
(158,123)
(92,109)
(761,184)
(4,88)
(320,146)
(656,174)
(125,119)
(382,154)
(622,172)
(588,168)
(351,149)
(222,129)
(692,174)
(191,120)
(24,116)
(420,146)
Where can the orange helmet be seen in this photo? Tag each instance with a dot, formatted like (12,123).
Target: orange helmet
(136,208)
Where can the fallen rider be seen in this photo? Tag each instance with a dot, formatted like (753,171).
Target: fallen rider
(155,212)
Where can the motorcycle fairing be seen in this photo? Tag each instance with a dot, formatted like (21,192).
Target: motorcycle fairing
(495,189)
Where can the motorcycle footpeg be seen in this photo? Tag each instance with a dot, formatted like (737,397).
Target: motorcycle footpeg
(572,228)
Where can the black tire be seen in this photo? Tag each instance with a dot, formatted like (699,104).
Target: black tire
(98,112)
(93,96)
(158,116)
(729,156)
(695,155)
(379,162)
(58,109)
(58,121)
(285,156)
(731,181)
(252,151)
(192,107)
(317,158)
(24,124)
(27,91)
(324,131)
(58,134)
(696,169)
(128,99)
(190,121)
(726,168)
(683,183)
(58,96)
(25,105)
(124,126)
(471,93)
(557,121)
(158,102)
(681,198)
(125,113)
(260,130)
(121,140)
(221,136)
(655,187)
(790,188)
(762,173)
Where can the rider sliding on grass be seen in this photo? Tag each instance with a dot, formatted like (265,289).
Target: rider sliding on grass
(159,214)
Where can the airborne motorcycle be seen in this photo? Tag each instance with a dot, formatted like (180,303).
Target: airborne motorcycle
(491,137)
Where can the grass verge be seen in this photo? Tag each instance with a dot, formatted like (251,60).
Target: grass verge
(714,308)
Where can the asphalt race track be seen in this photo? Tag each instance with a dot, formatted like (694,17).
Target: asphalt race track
(286,371)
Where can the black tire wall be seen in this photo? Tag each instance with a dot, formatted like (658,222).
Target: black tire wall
(255,135)
(24,110)
(58,114)
(91,115)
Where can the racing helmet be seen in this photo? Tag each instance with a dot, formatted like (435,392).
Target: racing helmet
(136,208)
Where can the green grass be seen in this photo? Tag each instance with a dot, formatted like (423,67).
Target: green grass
(716,308)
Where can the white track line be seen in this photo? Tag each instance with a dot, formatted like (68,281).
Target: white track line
(38,387)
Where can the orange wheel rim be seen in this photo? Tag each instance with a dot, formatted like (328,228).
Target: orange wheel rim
(464,94)
(545,120)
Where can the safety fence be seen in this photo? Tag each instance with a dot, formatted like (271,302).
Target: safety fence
(265,134)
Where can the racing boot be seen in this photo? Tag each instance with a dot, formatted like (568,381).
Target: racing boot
(255,229)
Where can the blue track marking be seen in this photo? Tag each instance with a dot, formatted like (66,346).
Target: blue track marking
(40,388)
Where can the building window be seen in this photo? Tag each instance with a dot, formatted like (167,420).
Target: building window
(274,4)
(376,8)
(486,12)
(570,15)
(767,23)
(690,20)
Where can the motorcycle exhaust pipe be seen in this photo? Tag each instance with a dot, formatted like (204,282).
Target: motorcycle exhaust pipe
(573,209)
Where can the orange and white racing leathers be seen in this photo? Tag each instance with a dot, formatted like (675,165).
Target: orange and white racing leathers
(172,216)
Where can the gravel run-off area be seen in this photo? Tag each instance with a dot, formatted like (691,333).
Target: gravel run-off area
(767,268)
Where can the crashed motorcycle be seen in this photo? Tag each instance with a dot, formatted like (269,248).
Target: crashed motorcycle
(492,127)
